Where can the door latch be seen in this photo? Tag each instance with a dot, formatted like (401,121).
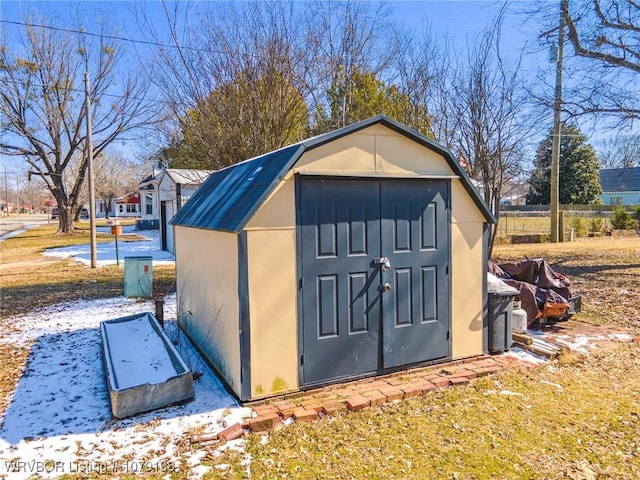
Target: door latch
(383,262)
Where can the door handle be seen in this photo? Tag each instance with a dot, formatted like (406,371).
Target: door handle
(386,287)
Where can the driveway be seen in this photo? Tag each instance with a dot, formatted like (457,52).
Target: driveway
(15,224)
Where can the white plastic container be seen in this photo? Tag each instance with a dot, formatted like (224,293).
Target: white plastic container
(519,320)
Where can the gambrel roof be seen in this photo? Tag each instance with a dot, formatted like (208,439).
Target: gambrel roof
(230,196)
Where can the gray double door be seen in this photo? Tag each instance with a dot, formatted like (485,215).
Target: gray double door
(374,265)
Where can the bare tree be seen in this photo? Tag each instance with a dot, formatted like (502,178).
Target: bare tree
(115,177)
(247,78)
(343,39)
(621,151)
(490,129)
(34,194)
(421,63)
(42,106)
(233,79)
(607,34)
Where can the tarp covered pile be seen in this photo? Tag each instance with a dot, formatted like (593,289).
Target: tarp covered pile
(544,294)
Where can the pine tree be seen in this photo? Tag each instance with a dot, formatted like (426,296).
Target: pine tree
(579,180)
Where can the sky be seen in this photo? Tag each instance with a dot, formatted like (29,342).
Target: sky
(459,17)
(460,20)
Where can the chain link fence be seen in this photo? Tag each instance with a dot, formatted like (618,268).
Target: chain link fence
(574,223)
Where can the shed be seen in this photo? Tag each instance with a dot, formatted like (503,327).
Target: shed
(175,187)
(352,254)
(620,186)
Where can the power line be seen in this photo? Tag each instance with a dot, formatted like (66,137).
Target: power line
(71,89)
(111,37)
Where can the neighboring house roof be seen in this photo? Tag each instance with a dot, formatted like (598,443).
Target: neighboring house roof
(620,179)
(149,182)
(230,197)
(132,197)
(186,176)
(148,179)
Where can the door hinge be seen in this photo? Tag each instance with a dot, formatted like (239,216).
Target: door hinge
(302,360)
(300,283)
(448,334)
(446,270)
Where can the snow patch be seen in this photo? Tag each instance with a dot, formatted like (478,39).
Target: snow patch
(525,356)
(583,343)
(106,252)
(60,412)
(138,353)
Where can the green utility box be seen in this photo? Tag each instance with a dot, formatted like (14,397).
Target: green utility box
(138,277)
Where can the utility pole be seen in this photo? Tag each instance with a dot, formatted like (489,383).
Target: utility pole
(555,147)
(89,148)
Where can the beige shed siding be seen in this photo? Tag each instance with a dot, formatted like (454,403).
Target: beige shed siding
(466,308)
(374,151)
(207,285)
(463,209)
(353,153)
(278,210)
(271,247)
(397,154)
(273,311)
(466,265)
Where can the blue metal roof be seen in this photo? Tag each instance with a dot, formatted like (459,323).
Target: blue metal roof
(620,179)
(229,197)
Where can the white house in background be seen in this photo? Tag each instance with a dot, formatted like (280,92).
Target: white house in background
(127,206)
(174,186)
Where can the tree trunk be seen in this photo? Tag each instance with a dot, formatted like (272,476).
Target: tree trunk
(108,206)
(492,198)
(65,218)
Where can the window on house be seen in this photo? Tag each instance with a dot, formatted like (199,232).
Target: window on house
(132,207)
(121,208)
(148,205)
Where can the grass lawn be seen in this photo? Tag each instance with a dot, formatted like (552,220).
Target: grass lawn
(560,422)
(577,419)
(32,284)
